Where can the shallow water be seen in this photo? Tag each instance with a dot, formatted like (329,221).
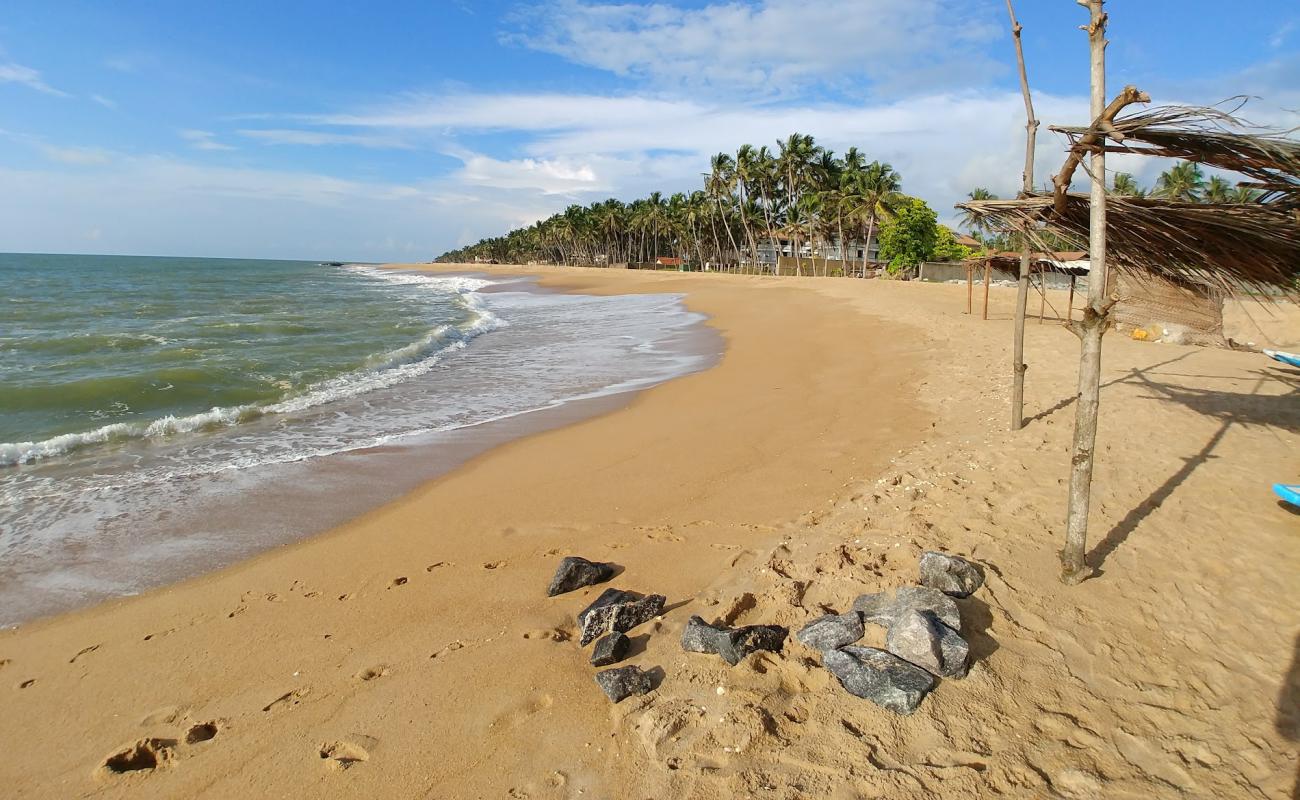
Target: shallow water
(160,421)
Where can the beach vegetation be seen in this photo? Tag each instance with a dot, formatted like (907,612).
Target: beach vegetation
(796,207)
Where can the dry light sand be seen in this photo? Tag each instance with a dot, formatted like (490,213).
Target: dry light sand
(849,426)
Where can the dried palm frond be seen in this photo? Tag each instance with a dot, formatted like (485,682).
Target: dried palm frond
(1236,247)
(1208,136)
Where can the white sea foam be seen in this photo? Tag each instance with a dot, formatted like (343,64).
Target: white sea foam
(384,370)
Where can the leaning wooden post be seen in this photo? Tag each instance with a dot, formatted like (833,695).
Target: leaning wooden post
(1093,325)
(988,268)
(1022,287)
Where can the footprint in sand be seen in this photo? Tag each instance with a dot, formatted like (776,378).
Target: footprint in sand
(287,700)
(83,651)
(451,648)
(549,634)
(4,662)
(26,683)
(202,732)
(401,581)
(145,755)
(343,754)
(437,564)
(372,673)
(494,564)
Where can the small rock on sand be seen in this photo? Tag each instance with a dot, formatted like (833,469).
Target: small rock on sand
(740,642)
(733,644)
(617,610)
(952,575)
(883,607)
(576,572)
(919,637)
(623,682)
(700,637)
(883,678)
(609,649)
(832,631)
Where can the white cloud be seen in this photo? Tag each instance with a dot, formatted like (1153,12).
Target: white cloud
(26,76)
(773,46)
(103,101)
(203,140)
(307,138)
(76,156)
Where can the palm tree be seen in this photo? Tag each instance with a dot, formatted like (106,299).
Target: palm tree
(1127,186)
(877,193)
(975,223)
(797,154)
(1217,190)
(1183,181)
(719,183)
(1244,194)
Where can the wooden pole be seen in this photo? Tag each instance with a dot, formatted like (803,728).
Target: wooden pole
(1069,307)
(970,285)
(988,268)
(1042,296)
(1018,365)
(1093,325)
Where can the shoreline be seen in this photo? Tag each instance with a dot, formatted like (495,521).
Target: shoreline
(773,436)
(284,502)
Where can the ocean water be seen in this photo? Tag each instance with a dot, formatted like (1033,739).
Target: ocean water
(160,417)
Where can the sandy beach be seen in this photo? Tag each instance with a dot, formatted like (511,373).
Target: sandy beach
(849,426)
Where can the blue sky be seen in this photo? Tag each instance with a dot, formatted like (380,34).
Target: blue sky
(396,131)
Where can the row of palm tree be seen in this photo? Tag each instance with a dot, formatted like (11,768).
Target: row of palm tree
(1185,182)
(757,199)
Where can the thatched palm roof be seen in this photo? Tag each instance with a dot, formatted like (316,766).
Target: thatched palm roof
(1209,136)
(1250,246)
(1235,246)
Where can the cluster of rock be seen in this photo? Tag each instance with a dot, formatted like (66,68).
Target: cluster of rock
(923,633)
(923,639)
(606,622)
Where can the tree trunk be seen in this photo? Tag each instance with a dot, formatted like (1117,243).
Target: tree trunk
(1091,328)
(1018,364)
(871,232)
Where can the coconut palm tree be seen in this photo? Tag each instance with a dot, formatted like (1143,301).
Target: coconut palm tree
(719,183)
(1126,186)
(1217,190)
(795,159)
(1183,181)
(1244,194)
(975,223)
(876,194)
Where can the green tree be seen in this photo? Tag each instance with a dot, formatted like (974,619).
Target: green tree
(1183,181)
(977,225)
(910,237)
(1217,190)
(1126,186)
(946,247)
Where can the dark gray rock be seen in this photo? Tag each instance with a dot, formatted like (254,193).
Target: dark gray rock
(952,575)
(621,612)
(609,649)
(919,637)
(623,682)
(832,631)
(883,607)
(576,572)
(883,678)
(877,608)
(700,637)
(740,642)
